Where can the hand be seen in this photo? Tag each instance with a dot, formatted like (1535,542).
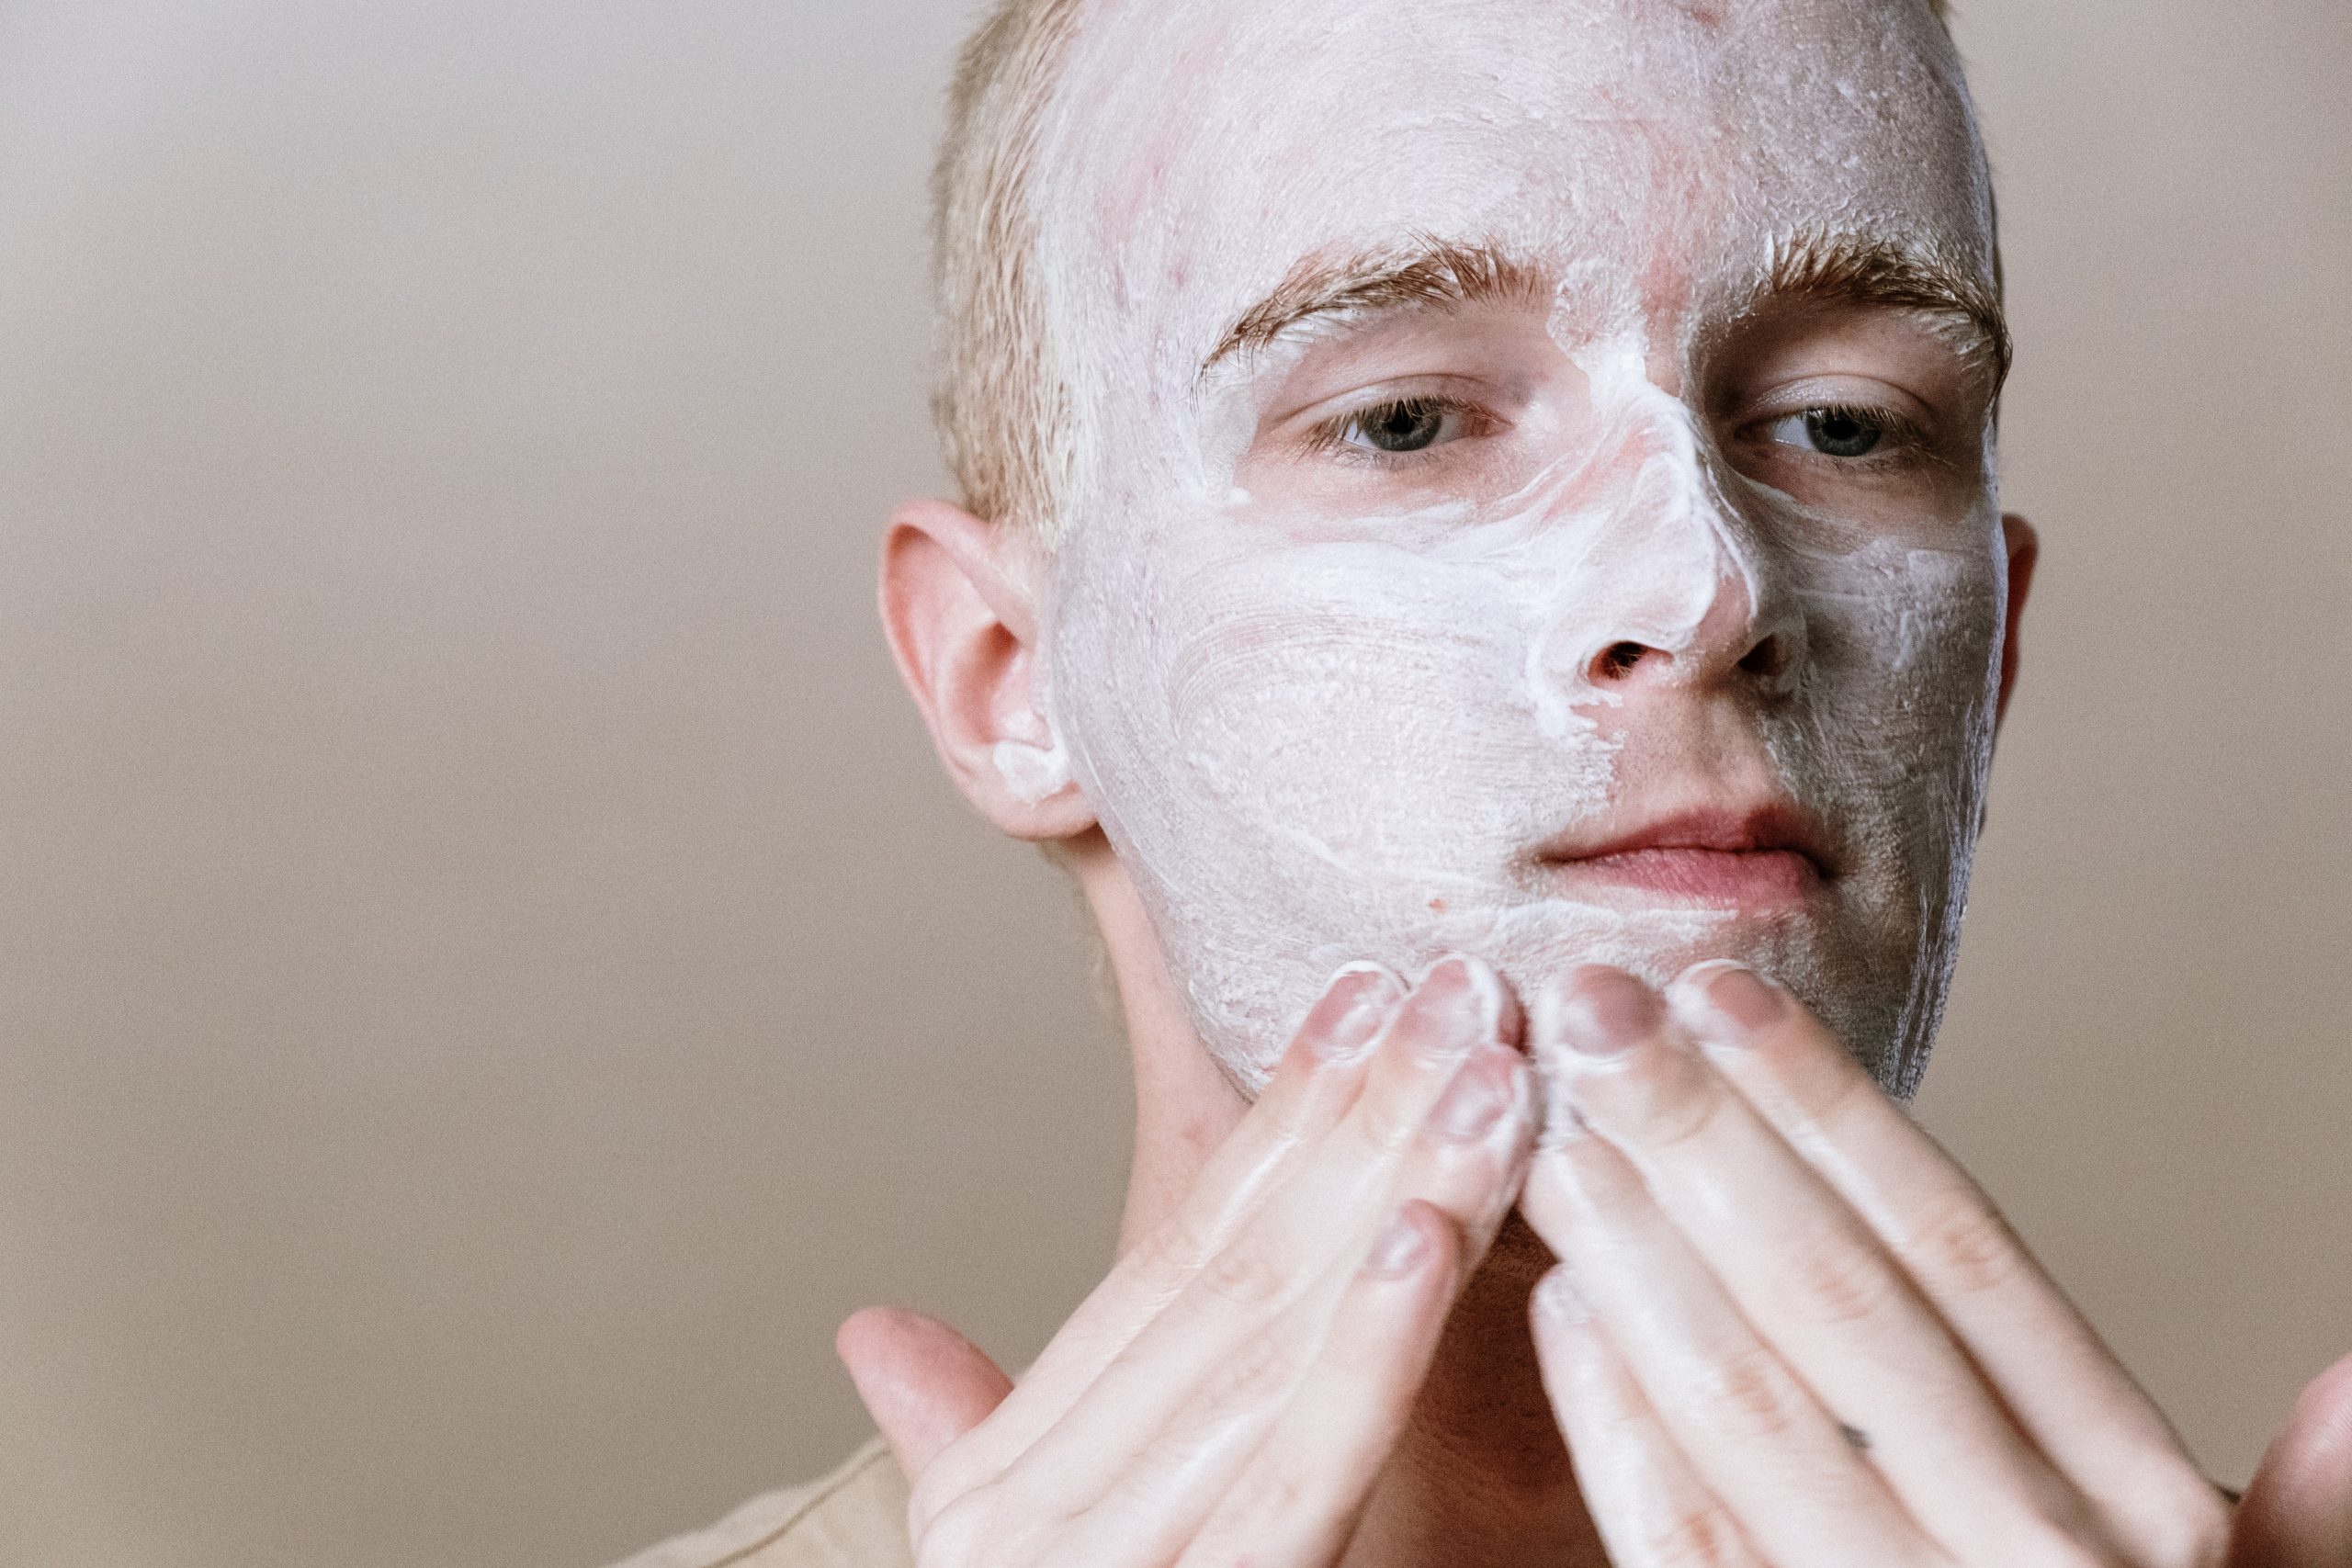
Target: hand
(1233,1388)
(1788,1330)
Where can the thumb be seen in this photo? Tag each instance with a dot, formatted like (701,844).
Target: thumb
(2298,1509)
(924,1385)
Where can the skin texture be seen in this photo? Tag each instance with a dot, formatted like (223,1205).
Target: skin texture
(1275,704)
(1375,691)
(1286,1308)
(1847,1358)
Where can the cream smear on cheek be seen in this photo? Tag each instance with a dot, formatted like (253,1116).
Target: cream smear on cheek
(1313,739)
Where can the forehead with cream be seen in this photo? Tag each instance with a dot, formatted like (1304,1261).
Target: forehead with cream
(1327,721)
(1198,152)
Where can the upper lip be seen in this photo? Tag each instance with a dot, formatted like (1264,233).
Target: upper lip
(1766,827)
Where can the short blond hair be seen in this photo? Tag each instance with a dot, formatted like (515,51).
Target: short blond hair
(1001,401)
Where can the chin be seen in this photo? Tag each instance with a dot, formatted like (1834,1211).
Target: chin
(1869,972)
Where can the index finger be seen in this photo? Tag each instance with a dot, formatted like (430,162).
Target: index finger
(1313,1086)
(2067,1392)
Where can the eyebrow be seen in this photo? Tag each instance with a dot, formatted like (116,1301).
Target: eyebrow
(1423,271)
(1865,269)
(1419,271)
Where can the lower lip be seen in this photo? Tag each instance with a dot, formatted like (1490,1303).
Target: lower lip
(1727,878)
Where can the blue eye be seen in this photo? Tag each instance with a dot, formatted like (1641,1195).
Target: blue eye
(1412,424)
(1831,432)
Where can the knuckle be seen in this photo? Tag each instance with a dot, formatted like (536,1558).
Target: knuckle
(1278,1493)
(1244,1275)
(1175,1247)
(1698,1537)
(1962,1247)
(1389,1122)
(1755,1391)
(1835,1278)
(1251,1378)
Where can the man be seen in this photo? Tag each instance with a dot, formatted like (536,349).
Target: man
(1498,492)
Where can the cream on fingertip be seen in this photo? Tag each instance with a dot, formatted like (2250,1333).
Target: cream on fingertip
(1365,995)
(1459,1005)
(1401,1249)
(1726,1005)
(1557,1298)
(1598,1014)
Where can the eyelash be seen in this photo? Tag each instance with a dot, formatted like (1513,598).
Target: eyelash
(1331,437)
(1905,444)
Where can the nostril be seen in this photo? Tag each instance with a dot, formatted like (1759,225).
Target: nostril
(1617,661)
(1765,659)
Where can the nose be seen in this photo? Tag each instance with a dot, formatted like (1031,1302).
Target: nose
(1729,641)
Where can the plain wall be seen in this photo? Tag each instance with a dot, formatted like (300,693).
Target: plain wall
(489,972)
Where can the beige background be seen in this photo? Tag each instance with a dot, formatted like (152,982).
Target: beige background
(489,972)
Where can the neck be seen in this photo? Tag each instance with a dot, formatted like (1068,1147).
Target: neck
(1480,1477)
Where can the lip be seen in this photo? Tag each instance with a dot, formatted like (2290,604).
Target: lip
(1763,857)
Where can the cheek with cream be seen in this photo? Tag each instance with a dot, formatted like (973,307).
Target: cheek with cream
(1316,733)
(1315,748)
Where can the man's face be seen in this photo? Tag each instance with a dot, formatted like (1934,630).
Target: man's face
(1533,497)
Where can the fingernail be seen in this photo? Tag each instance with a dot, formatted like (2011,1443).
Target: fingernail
(1345,1021)
(1400,1249)
(1485,1088)
(1557,1298)
(1602,1012)
(1456,1008)
(1728,1004)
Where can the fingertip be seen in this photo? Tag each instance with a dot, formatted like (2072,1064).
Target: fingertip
(1369,972)
(924,1385)
(2317,1439)
(2298,1509)
(1355,1005)
(1726,1004)
(1497,1002)
(2328,1400)
(1592,1011)
(1418,1239)
(869,1332)
(873,1343)
(1490,993)
(1578,1370)
(1455,1006)
(1557,1303)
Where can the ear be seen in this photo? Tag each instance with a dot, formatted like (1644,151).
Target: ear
(958,606)
(2025,549)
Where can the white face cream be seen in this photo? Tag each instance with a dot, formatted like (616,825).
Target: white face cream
(1333,699)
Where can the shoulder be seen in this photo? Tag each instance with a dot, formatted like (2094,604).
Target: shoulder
(855,1517)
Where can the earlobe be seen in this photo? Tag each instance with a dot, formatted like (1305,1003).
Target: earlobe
(2024,548)
(959,610)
